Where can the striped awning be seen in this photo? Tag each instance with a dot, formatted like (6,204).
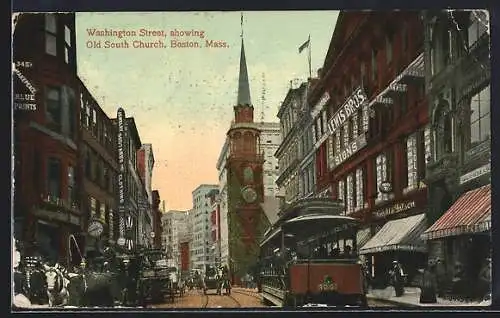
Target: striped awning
(471,213)
(398,235)
(362,237)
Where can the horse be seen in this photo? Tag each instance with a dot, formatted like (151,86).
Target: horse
(223,282)
(56,286)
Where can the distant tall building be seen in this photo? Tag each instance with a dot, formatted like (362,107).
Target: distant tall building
(174,227)
(157,226)
(201,248)
(145,164)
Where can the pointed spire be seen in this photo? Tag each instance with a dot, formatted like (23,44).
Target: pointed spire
(243,84)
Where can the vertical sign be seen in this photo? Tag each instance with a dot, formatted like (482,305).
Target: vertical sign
(121,175)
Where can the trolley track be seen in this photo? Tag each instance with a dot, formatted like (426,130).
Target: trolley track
(217,299)
(250,294)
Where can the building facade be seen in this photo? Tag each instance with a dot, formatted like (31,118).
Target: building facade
(369,128)
(174,229)
(214,202)
(201,249)
(458,77)
(270,139)
(98,160)
(131,190)
(157,225)
(287,153)
(47,209)
(223,207)
(145,165)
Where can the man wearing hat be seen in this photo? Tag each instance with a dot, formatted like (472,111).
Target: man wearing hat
(397,276)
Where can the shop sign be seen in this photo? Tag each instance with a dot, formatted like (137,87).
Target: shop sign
(347,110)
(475,173)
(350,150)
(121,159)
(24,101)
(394,209)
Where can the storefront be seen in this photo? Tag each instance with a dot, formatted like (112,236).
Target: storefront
(396,230)
(462,238)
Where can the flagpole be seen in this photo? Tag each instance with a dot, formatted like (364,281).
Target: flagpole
(309,57)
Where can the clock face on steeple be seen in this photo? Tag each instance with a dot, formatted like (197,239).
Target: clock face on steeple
(249,194)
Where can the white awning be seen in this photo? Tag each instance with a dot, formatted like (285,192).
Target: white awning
(398,235)
(362,237)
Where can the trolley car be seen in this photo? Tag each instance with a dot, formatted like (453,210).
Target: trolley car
(309,257)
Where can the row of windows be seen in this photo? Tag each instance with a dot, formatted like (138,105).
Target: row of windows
(450,40)
(98,127)
(288,157)
(99,171)
(307,182)
(353,188)
(478,108)
(57,41)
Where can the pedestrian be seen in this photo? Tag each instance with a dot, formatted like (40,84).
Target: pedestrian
(485,278)
(429,284)
(397,277)
(440,277)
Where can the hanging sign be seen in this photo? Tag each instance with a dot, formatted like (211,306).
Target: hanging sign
(348,109)
(95,228)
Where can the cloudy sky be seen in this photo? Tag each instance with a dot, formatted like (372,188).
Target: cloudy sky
(182,98)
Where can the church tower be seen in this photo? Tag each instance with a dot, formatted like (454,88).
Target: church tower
(246,219)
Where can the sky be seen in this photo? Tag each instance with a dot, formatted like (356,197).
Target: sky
(182,98)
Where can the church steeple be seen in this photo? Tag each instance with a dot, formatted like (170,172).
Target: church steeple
(243,84)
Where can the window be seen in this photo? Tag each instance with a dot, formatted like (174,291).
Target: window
(51,34)
(93,206)
(350,194)
(324,122)
(359,189)
(67,43)
(53,108)
(388,48)
(71,185)
(374,65)
(341,191)
(331,152)
(381,171)
(354,126)
(480,117)
(411,159)
(346,134)
(102,212)
(478,26)
(88,118)
(427,144)
(54,178)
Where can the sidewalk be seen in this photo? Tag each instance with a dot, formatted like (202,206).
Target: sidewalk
(411,298)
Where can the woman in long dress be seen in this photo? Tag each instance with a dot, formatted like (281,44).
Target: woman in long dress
(429,285)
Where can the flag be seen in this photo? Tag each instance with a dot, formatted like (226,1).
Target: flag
(305,45)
